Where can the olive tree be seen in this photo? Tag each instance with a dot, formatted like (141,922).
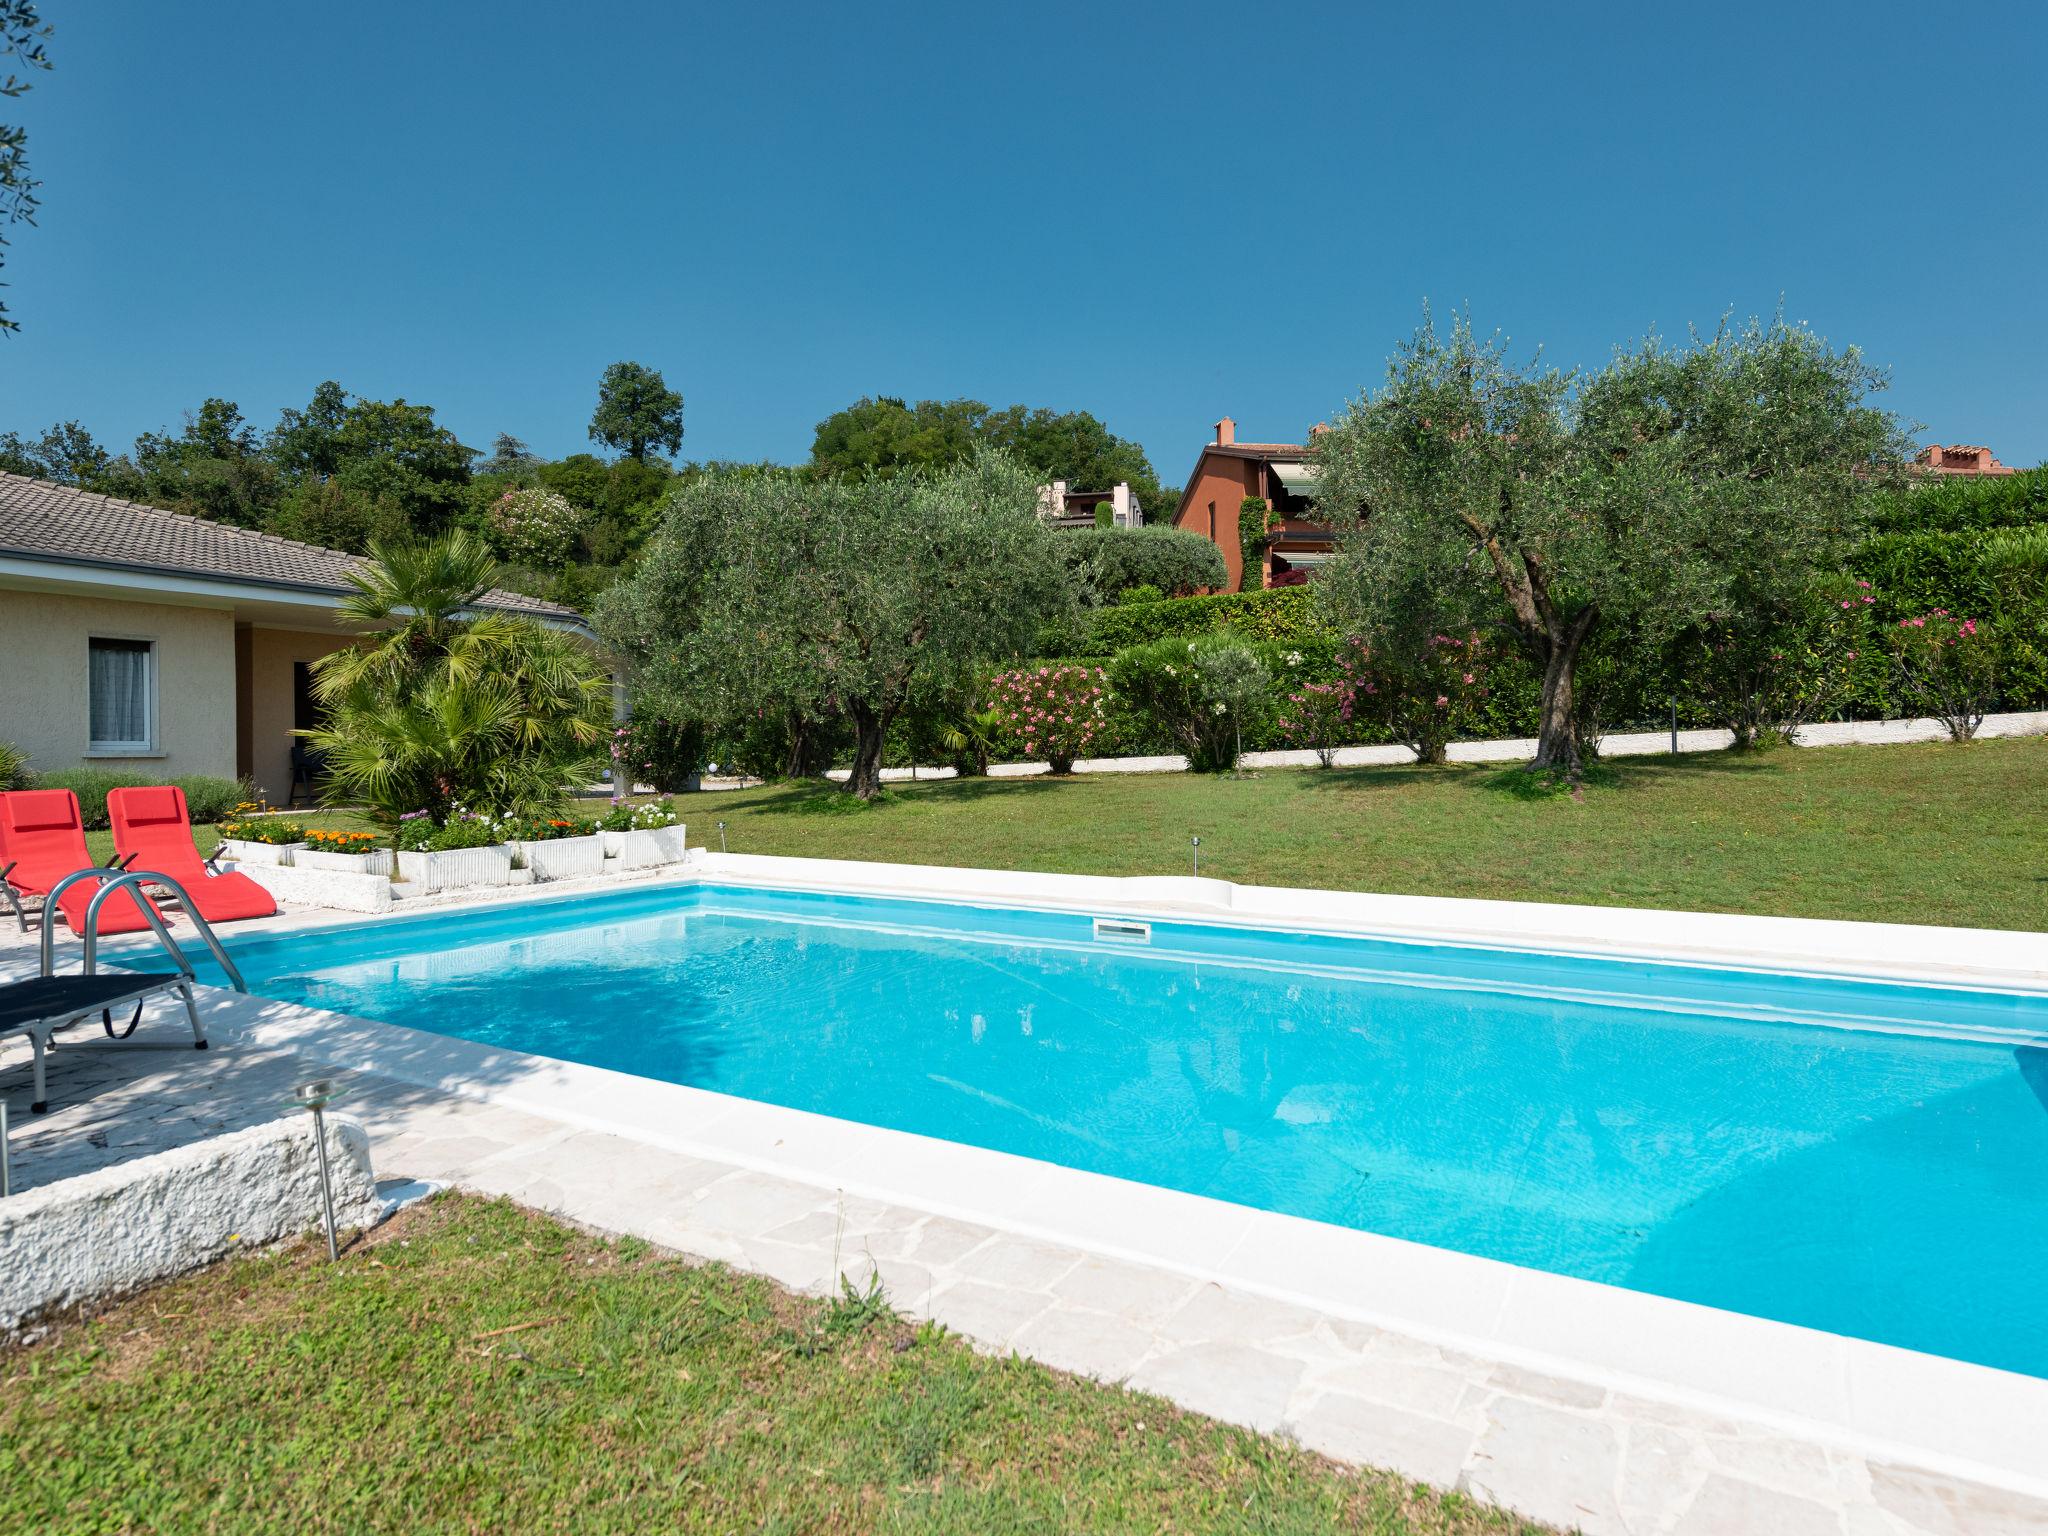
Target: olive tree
(838,597)
(1677,487)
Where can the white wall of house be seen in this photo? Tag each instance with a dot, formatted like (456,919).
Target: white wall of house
(45,648)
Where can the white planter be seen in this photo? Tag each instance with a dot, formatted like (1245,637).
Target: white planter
(323,887)
(646,847)
(258,853)
(455,868)
(376,862)
(562,858)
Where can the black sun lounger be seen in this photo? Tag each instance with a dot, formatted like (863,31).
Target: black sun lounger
(42,1005)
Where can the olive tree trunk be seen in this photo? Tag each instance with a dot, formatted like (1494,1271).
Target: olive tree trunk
(870,730)
(1557,734)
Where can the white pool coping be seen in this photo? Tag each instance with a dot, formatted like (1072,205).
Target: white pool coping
(1875,1400)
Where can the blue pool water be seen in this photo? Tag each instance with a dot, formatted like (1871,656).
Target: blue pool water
(1680,1130)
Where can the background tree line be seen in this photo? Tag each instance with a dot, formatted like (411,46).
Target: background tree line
(1727,524)
(345,471)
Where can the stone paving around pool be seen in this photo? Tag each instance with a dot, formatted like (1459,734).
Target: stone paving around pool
(1559,1450)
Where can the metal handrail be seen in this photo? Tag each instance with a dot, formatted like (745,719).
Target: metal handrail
(136,878)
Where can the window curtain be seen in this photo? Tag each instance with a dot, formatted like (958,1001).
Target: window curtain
(119,704)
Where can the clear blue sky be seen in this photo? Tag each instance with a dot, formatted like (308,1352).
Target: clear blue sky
(1157,213)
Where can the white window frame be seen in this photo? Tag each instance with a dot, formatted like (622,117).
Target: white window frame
(146,748)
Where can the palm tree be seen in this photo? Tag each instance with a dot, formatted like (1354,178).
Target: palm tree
(440,702)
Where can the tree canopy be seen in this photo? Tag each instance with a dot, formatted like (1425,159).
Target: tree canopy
(1674,486)
(636,412)
(837,597)
(883,434)
(22,34)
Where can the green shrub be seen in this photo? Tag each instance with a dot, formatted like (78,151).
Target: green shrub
(1955,503)
(656,747)
(1171,559)
(1054,712)
(209,799)
(1207,694)
(1282,614)
(1144,592)
(1948,667)
(14,769)
(1255,525)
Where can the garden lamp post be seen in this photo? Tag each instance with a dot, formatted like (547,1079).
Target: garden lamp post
(314,1097)
(1196,844)
(721,837)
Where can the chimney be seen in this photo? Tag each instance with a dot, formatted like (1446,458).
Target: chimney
(1226,432)
(1120,505)
(1318,430)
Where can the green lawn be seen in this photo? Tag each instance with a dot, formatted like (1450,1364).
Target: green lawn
(479,1368)
(1913,834)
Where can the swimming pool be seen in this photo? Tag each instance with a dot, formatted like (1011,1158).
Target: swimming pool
(1864,1158)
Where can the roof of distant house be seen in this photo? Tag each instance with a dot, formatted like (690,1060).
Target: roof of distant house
(42,521)
(1961,459)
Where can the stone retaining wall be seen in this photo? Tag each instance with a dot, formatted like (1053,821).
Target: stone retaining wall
(119,1228)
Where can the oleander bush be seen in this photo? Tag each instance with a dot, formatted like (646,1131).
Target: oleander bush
(1212,697)
(1053,711)
(1948,667)
(659,748)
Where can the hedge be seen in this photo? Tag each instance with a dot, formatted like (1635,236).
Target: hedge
(1280,613)
(1955,502)
(207,798)
(1933,568)
(1171,559)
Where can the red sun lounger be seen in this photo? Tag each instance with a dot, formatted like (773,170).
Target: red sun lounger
(42,839)
(153,831)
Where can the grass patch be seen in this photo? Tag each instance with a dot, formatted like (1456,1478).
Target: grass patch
(1929,833)
(478,1367)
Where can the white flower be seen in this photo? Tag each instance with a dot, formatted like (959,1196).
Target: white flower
(1294,658)
(1222,708)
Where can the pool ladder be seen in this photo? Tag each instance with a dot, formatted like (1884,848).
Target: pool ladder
(136,878)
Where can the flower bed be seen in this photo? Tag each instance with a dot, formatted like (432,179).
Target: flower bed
(465,850)
(642,836)
(349,853)
(261,839)
(555,848)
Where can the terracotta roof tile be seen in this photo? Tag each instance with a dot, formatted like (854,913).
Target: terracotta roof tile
(58,522)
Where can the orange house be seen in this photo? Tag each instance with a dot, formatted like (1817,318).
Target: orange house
(1961,459)
(1280,475)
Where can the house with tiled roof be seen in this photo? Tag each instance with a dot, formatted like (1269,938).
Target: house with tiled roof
(1960,459)
(1279,474)
(153,642)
